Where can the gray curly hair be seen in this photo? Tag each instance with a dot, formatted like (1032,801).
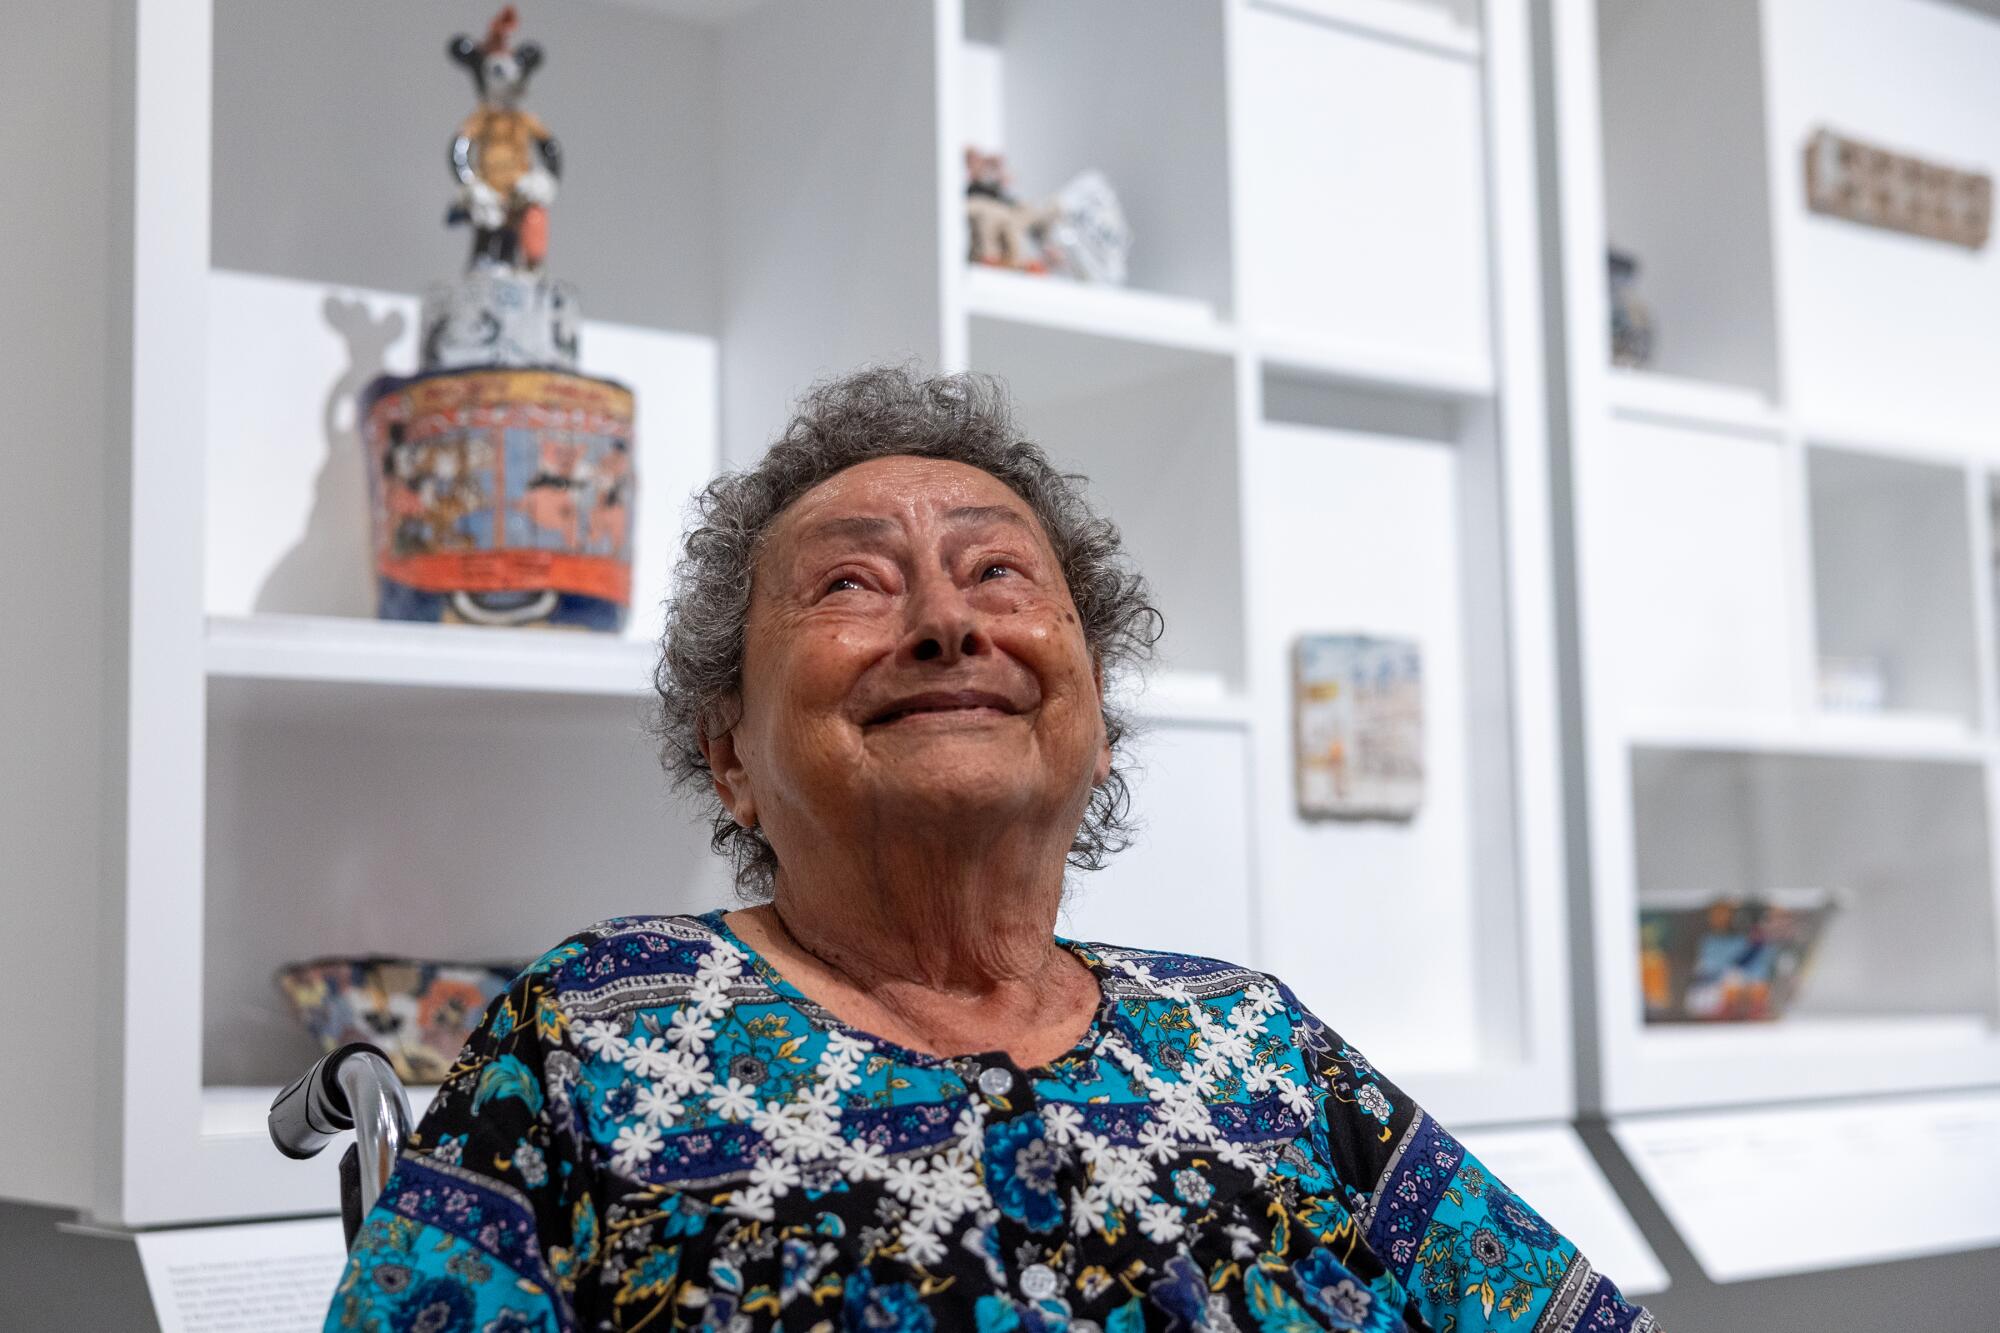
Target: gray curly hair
(879,412)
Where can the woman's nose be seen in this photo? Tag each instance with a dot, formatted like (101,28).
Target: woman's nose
(944,626)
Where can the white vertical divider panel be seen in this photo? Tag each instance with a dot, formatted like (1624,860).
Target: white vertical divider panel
(62,372)
(1539,1079)
(1256,792)
(155,1100)
(829,161)
(1606,912)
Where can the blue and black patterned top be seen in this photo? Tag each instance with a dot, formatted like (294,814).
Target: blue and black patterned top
(652,1129)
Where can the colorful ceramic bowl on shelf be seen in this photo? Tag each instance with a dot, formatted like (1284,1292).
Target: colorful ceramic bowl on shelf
(1707,958)
(418,1012)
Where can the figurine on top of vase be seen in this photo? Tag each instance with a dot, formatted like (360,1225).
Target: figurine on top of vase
(501,479)
(504,310)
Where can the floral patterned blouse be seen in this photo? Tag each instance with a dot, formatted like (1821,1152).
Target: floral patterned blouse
(652,1129)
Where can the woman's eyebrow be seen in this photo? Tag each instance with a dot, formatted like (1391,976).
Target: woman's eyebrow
(966,515)
(854,528)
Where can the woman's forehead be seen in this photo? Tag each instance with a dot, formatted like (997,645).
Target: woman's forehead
(899,490)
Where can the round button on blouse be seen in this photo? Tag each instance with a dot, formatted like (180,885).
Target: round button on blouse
(1038,1282)
(994,1081)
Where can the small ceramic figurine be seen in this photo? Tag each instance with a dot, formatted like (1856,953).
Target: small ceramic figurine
(1081,233)
(1003,230)
(1631,319)
(505,159)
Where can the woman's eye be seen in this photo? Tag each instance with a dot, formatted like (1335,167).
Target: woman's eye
(842,583)
(995,571)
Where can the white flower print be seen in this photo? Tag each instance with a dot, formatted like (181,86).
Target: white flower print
(604,1041)
(719,966)
(907,1179)
(861,1159)
(1261,1078)
(1184,1116)
(708,1001)
(775,1174)
(1158,1142)
(1263,1000)
(690,1027)
(1161,1222)
(845,1046)
(970,1129)
(1062,1121)
(1231,1047)
(1089,1210)
(687,1073)
(815,1137)
(1125,1177)
(636,1145)
(753,1202)
(920,1246)
(1296,1098)
(658,1105)
(1092,1147)
(954,1183)
(1373,1102)
(838,1075)
(734,1100)
(647,1057)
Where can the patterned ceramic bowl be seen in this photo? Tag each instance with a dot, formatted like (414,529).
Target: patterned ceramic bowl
(1704,958)
(418,1012)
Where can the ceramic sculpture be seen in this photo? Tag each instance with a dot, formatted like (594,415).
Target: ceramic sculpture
(501,478)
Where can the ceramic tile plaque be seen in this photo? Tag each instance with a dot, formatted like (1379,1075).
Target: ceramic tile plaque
(1878,187)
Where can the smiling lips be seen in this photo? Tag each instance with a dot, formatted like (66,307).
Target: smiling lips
(943,703)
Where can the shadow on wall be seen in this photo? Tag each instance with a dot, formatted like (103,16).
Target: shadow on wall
(327,569)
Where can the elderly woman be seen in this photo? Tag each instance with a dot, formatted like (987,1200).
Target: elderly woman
(888,1095)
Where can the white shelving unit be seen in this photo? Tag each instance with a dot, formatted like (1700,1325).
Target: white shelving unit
(1803,479)
(1317,407)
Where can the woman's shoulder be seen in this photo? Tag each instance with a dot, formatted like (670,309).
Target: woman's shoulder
(624,951)
(1169,971)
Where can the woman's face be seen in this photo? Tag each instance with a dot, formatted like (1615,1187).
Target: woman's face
(913,661)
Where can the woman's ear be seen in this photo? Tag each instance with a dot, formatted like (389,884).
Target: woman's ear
(725,768)
(1103,769)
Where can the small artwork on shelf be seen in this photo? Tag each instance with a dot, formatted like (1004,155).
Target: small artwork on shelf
(1631,317)
(1080,233)
(1359,715)
(1707,958)
(1878,187)
(1853,684)
(418,1013)
(501,480)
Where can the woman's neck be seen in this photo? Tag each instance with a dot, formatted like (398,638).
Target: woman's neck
(947,962)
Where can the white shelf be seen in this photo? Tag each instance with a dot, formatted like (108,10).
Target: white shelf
(1109,312)
(1428,26)
(336,650)
(1319,358)
(1649,395)
(1917,737)
(464,657)
(1815,1038)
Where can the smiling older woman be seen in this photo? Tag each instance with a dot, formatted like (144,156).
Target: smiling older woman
(888,1095)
